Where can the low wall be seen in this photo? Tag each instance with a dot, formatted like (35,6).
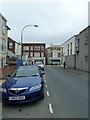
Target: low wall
(4,71)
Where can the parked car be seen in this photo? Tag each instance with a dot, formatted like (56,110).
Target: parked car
(40,64)
(25,84)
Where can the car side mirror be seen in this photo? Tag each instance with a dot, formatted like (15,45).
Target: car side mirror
(42,73)
(9,75)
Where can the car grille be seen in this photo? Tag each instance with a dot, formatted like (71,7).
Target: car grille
(17,90)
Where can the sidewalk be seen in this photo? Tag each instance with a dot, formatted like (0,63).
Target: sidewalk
(78,73)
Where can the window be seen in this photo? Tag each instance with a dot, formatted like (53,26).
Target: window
(31,54)
(86,58)
(70,51)
(42,48)
(31,47)
(71,45)
(2,62)
(26,48)
(36,54)
(62,49)
(42,54)
(3,46)
(68,46)
(58,54)
(26,53)
(3,23)
(10,45)
(86,39)
(58,48)
(77,45)
(51,54)
(37,48)
(54,48)
(51,48)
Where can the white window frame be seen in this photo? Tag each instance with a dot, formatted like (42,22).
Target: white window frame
(36,48)
(25,47)
(36,54)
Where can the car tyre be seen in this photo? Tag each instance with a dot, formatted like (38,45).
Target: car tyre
(42,97)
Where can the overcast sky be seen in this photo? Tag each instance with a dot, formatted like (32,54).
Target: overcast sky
(57,21)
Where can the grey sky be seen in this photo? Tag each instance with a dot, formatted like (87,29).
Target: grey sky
(57,21)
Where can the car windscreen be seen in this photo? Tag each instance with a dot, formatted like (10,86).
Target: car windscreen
(26,72)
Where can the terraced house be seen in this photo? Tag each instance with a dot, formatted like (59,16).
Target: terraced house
(3,40)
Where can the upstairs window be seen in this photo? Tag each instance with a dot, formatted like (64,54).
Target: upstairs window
(3,24)
(86,39)
(3,46)
(42,48)
(37,48)
(26,48)
(10,45)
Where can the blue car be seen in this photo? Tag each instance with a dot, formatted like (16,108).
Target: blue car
(25,84)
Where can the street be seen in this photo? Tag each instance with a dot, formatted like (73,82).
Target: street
(66,96)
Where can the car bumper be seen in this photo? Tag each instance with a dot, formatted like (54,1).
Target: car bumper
(29,97)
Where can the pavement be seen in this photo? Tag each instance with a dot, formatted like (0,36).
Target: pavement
(78,73)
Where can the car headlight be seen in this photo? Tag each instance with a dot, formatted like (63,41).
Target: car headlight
(3,89)
(35,87)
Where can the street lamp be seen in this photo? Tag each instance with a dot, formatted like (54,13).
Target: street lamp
(22,36)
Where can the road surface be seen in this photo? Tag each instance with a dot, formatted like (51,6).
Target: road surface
(66,96)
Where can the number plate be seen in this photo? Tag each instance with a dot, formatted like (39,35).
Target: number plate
(17,98)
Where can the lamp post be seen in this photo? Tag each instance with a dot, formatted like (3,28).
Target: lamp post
(22,36)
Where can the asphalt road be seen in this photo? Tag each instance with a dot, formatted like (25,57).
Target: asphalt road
(66,96)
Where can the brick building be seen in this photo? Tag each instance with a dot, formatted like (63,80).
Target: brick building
(32,52)
(13,51)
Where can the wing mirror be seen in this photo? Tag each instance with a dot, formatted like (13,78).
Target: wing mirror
(42,73)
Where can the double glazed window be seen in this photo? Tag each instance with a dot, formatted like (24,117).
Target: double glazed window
(10,45)
(26,48)
(3,46)
(36,54)
(86,38)
(42,48)
(37,48)
(3,23)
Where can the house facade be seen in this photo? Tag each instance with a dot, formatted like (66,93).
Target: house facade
(75,51)
(68,52)
(3,40)
(53,54)
(33,52)
(13,51)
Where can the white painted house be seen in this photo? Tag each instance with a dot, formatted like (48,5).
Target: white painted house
(68,51)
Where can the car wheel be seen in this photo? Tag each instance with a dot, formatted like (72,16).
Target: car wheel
(42,97)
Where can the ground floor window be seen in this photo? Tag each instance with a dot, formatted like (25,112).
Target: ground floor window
(2,62)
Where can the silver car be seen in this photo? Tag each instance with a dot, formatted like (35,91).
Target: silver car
(40,64)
